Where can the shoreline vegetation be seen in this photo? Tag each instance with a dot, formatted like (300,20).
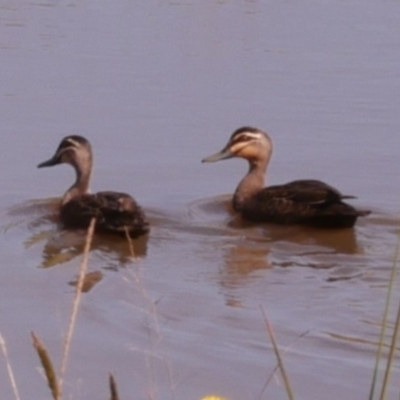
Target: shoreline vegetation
(55,380)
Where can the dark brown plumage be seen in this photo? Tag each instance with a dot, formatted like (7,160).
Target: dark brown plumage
(306,202)
(116,213)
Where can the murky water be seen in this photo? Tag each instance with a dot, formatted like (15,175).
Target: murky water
(156,86)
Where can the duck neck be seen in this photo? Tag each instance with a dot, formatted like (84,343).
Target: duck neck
(81,185)
(250,185)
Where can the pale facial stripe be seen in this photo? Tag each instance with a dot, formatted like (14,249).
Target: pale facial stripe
(252,135)
(73,142)
(243,139)
(246,136)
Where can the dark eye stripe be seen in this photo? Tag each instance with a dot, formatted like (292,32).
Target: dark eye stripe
(73,141)
(241,138)
(69,142)
(66,144)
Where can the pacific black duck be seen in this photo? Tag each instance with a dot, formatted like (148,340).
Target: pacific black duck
(306,202)
(115,212)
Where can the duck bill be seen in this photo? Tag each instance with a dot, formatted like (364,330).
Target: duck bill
(221,155)
(49,163)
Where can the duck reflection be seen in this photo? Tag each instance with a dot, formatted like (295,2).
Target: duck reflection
(115,252)
(245,259)
(249,250)
(62,246)
(341,241)
(256,250)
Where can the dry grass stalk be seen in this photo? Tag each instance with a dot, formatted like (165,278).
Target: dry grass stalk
(392,351)
(285,376)
(9,369)
(383,329)
(272,373)
(130,244)
(78,293)
(47,366)
(152,307)
(113,388)
(153,312)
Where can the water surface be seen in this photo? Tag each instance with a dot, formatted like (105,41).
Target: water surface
(156,86)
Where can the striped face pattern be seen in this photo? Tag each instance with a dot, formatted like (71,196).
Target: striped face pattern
(73,141)
(244,137)
(74,150)
(72,146)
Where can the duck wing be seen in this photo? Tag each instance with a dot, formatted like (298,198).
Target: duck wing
(307,202)
(114,212)
(304,191)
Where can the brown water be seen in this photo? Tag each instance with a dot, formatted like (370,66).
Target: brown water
(156,86)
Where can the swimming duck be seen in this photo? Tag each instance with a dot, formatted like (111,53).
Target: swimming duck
(305,202)
(115,212)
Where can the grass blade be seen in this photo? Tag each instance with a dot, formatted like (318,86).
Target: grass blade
(391,355)
(285,376)
(47,366)
(113,388)
(78,293)
(384,322)
(9,369)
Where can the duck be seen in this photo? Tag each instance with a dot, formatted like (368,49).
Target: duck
(115,212)
(301,202)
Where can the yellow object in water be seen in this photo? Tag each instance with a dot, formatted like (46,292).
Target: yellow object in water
(213,398)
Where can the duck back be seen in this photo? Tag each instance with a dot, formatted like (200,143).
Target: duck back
(115,212)
(305,202)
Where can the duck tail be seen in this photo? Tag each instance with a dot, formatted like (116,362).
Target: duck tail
(346,196)
(363,213)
